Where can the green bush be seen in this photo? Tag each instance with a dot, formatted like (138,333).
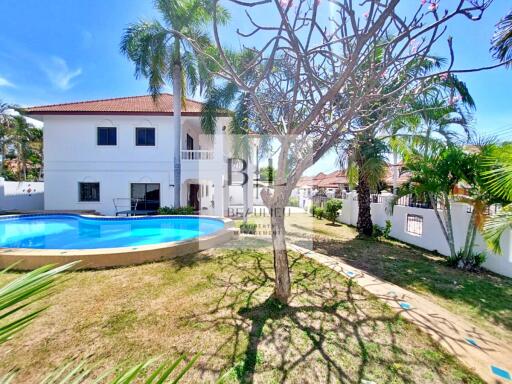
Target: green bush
(182,211)
(379,231)
(332,208)
(471,262)
(319,213)
(293,202)
(248,228)
(387,229)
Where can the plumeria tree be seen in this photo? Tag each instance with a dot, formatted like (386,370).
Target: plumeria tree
(310,87)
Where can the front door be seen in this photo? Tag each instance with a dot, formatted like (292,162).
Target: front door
(193,196)
(145,196)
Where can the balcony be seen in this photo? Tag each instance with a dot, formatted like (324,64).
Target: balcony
(196,154)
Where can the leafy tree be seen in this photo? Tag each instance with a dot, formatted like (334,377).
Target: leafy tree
(160,52)
(268,174)
(332,208)
(310,92)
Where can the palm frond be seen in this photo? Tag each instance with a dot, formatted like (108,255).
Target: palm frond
(78,373)
(21,294)
(495,227)
(502,39)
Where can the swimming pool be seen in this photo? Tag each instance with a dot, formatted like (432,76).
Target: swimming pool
(79,232)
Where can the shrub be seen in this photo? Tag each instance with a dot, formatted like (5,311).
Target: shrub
(319,213)
(471,262)
(248,228)
(387,229)
(332,208)
(187,210)
(312,210)
(377,231)
(293,202)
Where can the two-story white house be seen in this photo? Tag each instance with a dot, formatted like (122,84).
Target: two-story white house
(108,155)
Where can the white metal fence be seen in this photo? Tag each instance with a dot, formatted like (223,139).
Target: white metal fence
(419,226)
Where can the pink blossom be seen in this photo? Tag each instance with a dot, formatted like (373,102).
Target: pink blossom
(443,76)
(366,14)
(433,6)
(423,2)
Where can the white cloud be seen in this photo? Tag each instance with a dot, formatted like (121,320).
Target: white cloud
(60,74)
(5,83)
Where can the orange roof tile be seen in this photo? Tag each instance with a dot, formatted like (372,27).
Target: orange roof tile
(143,105)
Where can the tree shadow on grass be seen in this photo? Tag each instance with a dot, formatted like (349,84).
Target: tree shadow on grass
(486,294)
(331,331)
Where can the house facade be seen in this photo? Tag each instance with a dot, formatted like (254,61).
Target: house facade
(118,154)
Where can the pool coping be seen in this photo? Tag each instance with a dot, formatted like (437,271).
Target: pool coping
(97,258)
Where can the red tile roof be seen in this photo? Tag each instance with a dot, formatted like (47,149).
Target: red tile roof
(135,105)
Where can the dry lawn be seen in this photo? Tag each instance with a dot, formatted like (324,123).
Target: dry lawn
(217,303)
(484,299)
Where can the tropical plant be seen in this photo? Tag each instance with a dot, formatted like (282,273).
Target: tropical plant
(6,123)
(222,98)
(502,40)
(498,179)
(17,301)
(161,52)
(20,295)
(366,164)
(435,175)
(332,208)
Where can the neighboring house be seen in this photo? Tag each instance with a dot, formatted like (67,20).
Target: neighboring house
(110,155)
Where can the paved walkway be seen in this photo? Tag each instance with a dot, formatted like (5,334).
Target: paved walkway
(489,357)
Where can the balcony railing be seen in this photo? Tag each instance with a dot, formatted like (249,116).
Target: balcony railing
(196,154)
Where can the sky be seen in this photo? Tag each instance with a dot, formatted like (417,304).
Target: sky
(68,50)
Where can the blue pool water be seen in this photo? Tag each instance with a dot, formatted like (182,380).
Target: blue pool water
(76,232)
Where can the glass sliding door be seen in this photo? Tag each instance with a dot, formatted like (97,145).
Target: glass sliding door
(145,196)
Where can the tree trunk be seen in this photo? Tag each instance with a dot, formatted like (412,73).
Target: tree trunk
(470,234)
(282,285)
(364,218)
(246,200)
(176,86)
(449,225)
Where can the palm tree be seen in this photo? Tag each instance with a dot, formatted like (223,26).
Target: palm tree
(498,179)
(502,39)
(6,123)
(223,97)
(161,52)
(435,174)
(365,160)
(27,144)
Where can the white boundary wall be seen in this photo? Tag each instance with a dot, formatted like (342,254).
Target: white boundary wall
(432,237)
(23,195)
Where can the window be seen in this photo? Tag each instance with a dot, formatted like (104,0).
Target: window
(414,225)
(89,191)
(145,196)
(145,137)
(107,136)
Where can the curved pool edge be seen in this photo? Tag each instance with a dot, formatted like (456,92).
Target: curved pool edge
(26,259)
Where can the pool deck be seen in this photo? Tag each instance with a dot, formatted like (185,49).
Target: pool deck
(25,259)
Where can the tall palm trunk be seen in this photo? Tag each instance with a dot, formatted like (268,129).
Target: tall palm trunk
(364,219)
(176,85)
